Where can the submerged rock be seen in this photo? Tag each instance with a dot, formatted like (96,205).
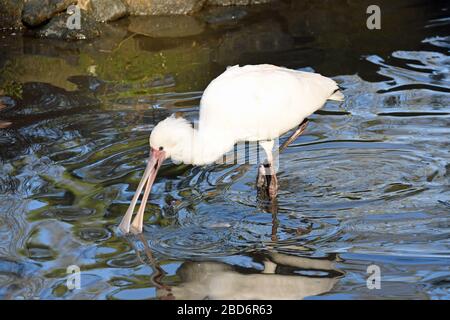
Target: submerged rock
(162,7)
(104,10)
(10,13)
(57,28)
(87,83)
(219,16)
(36,12)
(166,26)
(244,44)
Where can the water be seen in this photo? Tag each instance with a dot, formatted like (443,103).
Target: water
(367,184)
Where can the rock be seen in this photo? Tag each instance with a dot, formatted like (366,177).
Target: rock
(57,28)
(235,2)
(166,26)
(88,83)
(6,103)
(36,12)
(163,7)
(10,13)
(104,10)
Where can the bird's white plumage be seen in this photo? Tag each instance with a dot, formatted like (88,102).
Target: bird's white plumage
(259,102)
(250,103)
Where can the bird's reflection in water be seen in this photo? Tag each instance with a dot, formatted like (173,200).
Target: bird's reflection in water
(273,275)
(146,257)
(271,206)
(283,277)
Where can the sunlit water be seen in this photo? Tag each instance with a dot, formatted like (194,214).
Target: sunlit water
(367,184)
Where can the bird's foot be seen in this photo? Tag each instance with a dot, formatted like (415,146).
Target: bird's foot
(267,182)
(272,189)
(261,180)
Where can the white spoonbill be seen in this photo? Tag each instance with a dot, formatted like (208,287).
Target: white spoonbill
(250,103)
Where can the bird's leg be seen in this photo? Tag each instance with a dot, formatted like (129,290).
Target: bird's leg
(267,178)
(261,180)
(301,128)
(266,174)
(273,182)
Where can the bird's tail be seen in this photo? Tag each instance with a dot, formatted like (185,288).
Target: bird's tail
(337,95)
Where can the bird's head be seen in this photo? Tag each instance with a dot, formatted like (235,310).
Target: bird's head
(170,137)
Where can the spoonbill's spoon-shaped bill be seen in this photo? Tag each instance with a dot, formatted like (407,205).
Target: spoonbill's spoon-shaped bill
(155,161)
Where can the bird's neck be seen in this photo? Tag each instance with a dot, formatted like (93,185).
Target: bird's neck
(204,146)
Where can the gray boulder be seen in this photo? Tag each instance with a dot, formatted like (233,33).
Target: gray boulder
(104,10)
(163,7)
(10,13)
(36,12)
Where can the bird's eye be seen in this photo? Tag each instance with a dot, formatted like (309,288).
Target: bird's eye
(161,148)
